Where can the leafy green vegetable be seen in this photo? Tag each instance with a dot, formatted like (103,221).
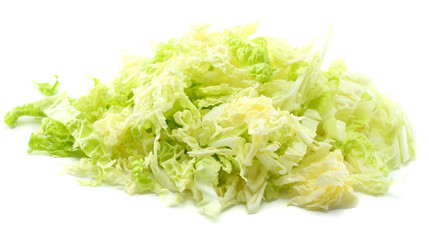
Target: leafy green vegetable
(54,138)
(231,119)
(253,54)
(47,89)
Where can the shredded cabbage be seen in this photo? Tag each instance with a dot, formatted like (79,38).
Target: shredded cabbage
(48,89)
(230,119)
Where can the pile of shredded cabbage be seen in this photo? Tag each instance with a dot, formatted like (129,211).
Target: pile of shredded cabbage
(229,119)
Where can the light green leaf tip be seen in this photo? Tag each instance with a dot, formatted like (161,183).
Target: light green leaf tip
(48,89)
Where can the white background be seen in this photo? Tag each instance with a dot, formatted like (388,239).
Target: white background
(75,40)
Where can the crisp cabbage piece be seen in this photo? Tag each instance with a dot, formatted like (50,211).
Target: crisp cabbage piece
(48,89)
(229,118)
